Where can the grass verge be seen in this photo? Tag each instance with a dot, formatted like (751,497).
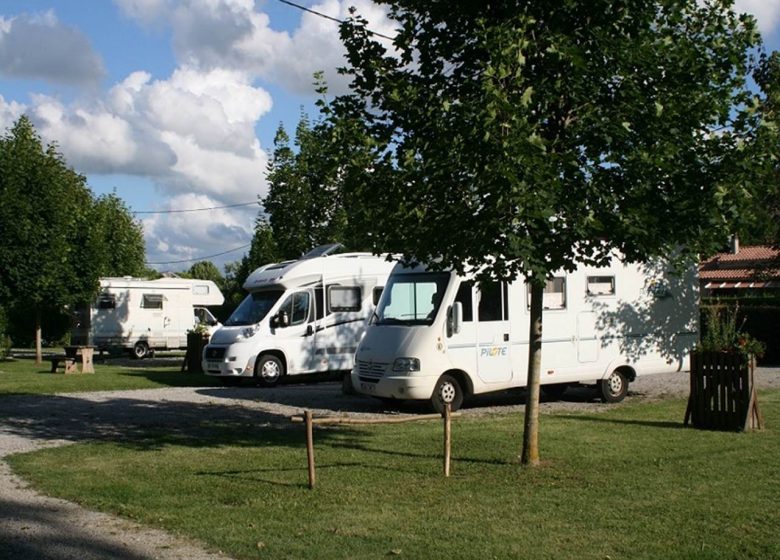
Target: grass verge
(630,482)
(24,377)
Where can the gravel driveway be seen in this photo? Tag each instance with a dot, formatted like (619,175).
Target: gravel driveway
(37,526)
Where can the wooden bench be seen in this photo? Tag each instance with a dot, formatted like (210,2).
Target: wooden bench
(66,362)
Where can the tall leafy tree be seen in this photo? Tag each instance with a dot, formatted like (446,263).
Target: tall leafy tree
(205,270)
(45,228)
(118,238)
(521,137)
(305,201)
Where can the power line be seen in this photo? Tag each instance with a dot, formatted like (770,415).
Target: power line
(203,258)
(193,209)
(331,18)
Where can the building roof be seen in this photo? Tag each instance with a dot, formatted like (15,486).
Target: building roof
(756,266)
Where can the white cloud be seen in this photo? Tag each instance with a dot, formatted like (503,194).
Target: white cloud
(146,12)
(232,34)
(40,47)
(10,111)
(193,135)
(197,235)
(767,13)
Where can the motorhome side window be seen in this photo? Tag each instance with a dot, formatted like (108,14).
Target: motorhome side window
(377,294)
(601,286)
(554,293)
(464,298)
(493,305)
(297,307)
(152,301)
(106,301)
(343,298)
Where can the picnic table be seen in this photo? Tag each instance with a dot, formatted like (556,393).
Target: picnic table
(74,355)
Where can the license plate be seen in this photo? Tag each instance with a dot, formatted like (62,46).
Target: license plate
(212,365)
(368,388)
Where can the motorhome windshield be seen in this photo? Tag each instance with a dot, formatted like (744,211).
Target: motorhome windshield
(254,307)
(412,299)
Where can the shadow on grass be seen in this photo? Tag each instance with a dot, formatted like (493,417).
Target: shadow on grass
(146,424)
(60,538)
(625,422)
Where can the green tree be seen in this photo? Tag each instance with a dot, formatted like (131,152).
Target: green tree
(263,250)
(45,228)
(763,226)
(118,238)
(305,203)
(205,270)
(523,137)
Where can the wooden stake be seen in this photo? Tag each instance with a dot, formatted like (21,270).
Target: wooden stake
(310,446)
(447,438)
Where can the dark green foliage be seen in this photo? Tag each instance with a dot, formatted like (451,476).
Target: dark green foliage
(57,239)
(547,133)
(305,202)
(205,270)
(118,238)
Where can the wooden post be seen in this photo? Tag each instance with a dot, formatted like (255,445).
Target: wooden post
(310,446)
(447,438)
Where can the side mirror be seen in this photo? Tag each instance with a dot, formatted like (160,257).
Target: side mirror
(283,319)
(454,318)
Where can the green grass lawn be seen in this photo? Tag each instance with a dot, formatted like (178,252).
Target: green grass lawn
(628,482)
(24,377)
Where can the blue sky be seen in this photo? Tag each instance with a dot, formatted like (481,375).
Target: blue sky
(174,103)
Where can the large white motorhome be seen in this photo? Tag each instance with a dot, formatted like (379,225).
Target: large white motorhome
(142,315)
(302,316)
(442,337)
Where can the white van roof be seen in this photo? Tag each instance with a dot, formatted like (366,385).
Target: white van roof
(204,292)
(307,271)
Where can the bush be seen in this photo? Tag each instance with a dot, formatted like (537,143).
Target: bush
(723,331)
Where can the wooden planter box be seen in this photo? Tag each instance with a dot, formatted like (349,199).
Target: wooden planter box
(723,392)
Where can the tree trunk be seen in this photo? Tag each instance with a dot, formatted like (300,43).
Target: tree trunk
(530,453)
(38,351)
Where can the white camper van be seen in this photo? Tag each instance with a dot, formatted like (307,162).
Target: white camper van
(144,315)
(441,337)
(302,316)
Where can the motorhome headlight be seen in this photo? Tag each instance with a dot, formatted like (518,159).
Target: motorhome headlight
(248,332)
(406,364)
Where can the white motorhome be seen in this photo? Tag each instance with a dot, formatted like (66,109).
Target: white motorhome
(441,337)
(142,315)
(302,316)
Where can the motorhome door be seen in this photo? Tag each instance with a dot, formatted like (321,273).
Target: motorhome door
(293,327)
(493,342)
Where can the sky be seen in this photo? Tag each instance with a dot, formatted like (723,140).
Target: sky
(173,104)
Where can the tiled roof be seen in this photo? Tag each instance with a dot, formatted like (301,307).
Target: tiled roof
(757,263)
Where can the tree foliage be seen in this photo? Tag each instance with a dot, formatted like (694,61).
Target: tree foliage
(118,238)
(523,137)
(57,239)
(546,133)
(305,202)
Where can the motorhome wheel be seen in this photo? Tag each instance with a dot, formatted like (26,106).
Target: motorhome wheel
(140,350)
(447,390)
(269,370)
(614,388)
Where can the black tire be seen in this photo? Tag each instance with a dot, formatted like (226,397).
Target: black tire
(269,370)
(140,350)
(614,387)
(447,390)
(346,385)
(554,391)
